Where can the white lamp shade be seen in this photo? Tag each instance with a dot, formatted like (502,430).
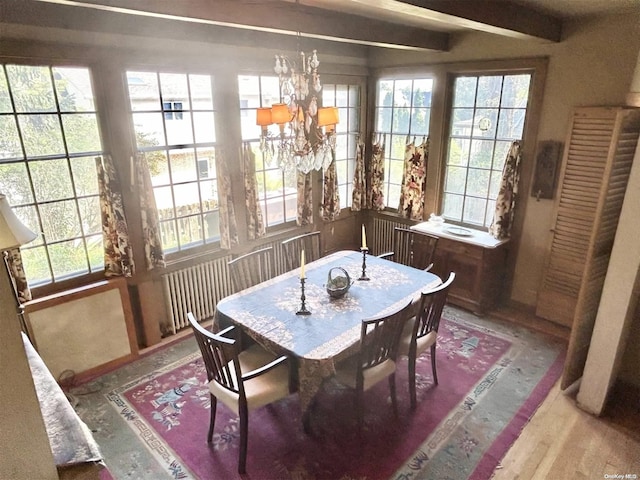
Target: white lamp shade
(13,232)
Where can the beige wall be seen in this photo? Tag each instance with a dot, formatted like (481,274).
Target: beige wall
(593,65)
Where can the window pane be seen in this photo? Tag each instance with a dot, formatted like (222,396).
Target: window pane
(5,101)
(14,183)
(385,93)
(84,176)
(205,128)
(453,206)
(456,180)
(149,129)
(489,91)
(179,130)
(51,180)
(481,153)
(478,182)
(474,210)
(459,151)
(9,141)
(90,215)
(41,135)
(516,91)
(465,92)
(32,89)
(60,221)
(144,93)
(462,123)
(73,86)
(81,132)
(511,124)
(36,265)
(484,124)
(201,93)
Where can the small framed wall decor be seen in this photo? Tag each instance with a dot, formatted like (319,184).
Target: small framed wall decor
(546,171)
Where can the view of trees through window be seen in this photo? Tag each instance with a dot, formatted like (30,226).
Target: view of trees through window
(403,111)
(487,115)
(174,122)
(49,139)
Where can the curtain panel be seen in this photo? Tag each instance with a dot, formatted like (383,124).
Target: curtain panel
(359,194)
(506,201)
(414,181)
(305,207)
(330,206)
(118,255)
(18,277)
(255,221)
(228,224)
(376,176)
(153,252)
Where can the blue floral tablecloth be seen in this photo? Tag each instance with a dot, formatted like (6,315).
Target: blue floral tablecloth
(267,311)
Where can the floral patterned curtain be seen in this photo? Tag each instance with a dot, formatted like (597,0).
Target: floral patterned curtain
(255,222)
(376,175)
(18,277)
(305,209)
(118,255)
(414,180)
(358,197)
(330,206)
(153,252)
(506,202)
(228,225)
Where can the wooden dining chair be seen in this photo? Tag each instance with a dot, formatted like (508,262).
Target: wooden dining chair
(242,380)
(376,359)
(291,248)
(252,268)
(415,249)
(421,332)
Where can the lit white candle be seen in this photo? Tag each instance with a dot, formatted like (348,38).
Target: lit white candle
(364,238)
(302,264)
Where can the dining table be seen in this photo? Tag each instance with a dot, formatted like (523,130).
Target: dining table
(267,312)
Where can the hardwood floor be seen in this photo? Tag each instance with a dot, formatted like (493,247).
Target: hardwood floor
(564,442)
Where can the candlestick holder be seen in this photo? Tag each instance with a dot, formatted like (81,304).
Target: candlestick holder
(364,251)
(303,308)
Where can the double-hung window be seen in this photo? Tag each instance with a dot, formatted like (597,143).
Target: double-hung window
(49,138)
(174,122)
(487,114)
(347,99)
(277,193)
(402,112)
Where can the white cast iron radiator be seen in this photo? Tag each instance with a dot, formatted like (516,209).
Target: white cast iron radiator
(196,289)
(382,240)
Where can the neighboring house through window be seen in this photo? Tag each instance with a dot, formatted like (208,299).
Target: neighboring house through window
(174,122)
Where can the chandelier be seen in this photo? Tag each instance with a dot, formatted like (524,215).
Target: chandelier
(306,140)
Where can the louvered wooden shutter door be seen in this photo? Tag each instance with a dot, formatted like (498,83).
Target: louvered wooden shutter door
(596,168)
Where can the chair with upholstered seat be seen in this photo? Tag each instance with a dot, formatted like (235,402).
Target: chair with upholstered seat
(243,381)
(252,268)
(421,332)
(291,247)
(412,248)
(376,359)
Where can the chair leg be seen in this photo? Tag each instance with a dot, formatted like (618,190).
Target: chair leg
(412,381)
(359,407)
(433,364)
(212,420)
(244,427)
(392,389)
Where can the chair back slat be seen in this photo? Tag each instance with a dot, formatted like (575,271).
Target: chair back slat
(380,336)
(292,247)
(431,305)
(220,356)
(252,268)
(414,249)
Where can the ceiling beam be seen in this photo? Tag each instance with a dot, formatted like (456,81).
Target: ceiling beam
(276,17)
(492,16)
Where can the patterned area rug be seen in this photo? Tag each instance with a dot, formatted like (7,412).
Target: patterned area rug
(151,417)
